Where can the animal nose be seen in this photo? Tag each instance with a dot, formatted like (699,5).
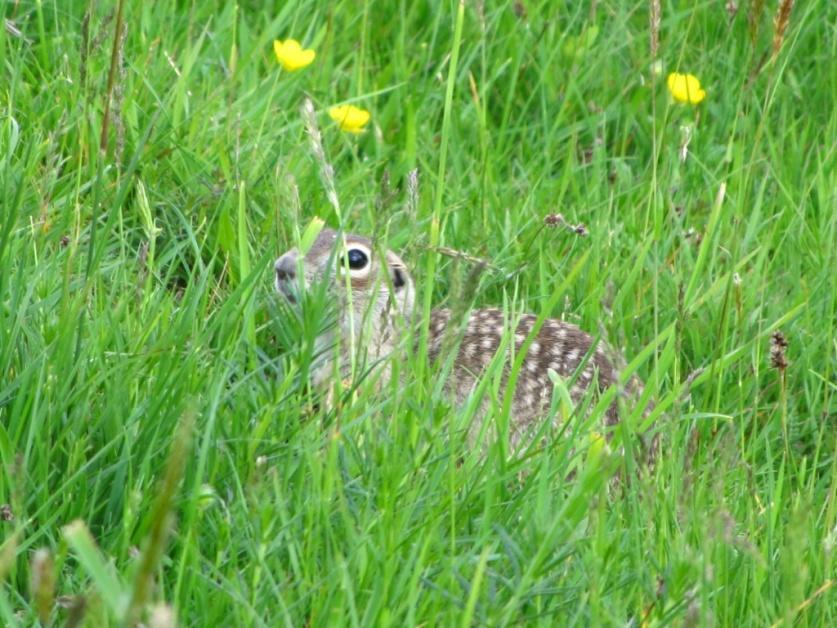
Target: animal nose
(285,267)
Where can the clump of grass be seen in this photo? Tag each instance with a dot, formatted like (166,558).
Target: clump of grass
(148,296)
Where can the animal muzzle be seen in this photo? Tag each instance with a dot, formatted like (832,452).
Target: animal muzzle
(287,282)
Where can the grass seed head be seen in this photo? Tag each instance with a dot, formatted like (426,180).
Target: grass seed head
(655,15)
(780,25)
(755,9)
(6,513)
(326,170)
(778,346)
(731,7)
(42,583)
(412,193)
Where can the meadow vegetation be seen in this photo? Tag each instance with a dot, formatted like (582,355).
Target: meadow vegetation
(160,454)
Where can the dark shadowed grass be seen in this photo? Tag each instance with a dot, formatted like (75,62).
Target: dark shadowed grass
(135,293)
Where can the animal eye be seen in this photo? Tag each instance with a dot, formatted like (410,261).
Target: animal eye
(356,259)
(398,280)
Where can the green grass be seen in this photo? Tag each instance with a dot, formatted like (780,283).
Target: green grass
(135,297)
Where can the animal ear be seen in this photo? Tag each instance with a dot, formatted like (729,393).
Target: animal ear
(398,278)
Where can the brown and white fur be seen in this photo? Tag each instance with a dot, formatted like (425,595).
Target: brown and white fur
(376,305)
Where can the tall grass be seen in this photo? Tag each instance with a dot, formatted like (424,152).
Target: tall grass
(160,454)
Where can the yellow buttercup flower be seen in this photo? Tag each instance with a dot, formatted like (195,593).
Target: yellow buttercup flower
(349,118)
(685,88)
(292,55)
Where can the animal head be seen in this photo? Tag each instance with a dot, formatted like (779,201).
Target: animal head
(373,291)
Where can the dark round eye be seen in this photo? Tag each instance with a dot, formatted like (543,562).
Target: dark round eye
(357,259)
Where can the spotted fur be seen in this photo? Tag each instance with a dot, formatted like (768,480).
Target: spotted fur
(379,318)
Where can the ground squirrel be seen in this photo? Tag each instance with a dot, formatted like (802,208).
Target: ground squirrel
(374,298)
